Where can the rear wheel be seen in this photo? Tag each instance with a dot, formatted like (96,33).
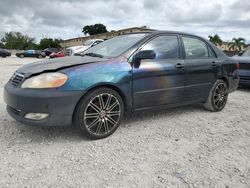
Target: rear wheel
(40,56)
(99,113)
(21,56)
(217,98)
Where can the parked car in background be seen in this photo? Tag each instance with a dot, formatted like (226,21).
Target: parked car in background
(132,72)
(56,55)
(31,53)
(244,71)
(4,53)
(49,51)
(79,49)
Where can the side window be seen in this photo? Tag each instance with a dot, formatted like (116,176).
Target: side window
(165,47)
(211,53)
(195,48)
(29,52)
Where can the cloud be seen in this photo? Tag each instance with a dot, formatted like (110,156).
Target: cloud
(65,18)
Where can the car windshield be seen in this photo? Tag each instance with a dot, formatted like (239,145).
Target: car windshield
(115,46)
(246,53)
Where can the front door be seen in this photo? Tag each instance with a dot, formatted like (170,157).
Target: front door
(159,81)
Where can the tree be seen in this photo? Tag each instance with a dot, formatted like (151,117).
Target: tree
(216,40)
(237,44)
(94,29)
(49,43)
(15,40)
(2,45)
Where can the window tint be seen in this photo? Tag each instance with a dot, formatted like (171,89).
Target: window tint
(165,47)
(211,53)
(195,48)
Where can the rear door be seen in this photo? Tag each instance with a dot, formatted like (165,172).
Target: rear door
(201,66)
(159,81)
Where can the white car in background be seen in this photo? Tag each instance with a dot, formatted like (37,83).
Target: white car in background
(79,49)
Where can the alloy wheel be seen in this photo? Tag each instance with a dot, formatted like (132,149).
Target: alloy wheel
(220,96)
(102,114)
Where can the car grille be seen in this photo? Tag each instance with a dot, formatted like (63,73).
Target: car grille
(17,79)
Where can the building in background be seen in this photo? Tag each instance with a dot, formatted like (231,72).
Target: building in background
(79,40)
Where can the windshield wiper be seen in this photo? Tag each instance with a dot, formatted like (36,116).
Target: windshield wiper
(94,55)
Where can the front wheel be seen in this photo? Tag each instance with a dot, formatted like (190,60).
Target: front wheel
(99,113)
(217,98)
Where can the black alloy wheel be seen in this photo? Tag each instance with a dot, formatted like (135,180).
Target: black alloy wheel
(218,96)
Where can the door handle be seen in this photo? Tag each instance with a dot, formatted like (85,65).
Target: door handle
(179,66)
(214,63)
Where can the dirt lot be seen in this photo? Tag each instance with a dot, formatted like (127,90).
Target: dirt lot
(181,147)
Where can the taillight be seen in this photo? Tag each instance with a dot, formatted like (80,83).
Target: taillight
(237,65)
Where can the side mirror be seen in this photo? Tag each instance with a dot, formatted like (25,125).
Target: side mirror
(145,54)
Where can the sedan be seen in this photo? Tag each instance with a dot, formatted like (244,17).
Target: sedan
(31,53)
(128,73)
(4,53)
(49,51)
(244,72)
(56,55)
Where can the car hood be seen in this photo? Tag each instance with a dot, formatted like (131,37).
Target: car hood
(54,64)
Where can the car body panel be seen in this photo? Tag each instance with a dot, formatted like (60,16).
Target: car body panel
(244,72)
(31,53)
(56,55)
(55,64)
(157,78)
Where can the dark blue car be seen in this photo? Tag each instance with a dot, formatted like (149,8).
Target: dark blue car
(244,71)
(128,73)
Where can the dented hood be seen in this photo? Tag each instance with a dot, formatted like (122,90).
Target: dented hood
(54,64)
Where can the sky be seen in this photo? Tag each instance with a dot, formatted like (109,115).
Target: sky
(65,18)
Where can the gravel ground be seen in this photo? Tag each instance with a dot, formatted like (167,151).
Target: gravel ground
(180,147)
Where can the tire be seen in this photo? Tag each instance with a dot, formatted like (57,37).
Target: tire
(218,96)
(99,113)
(21,56)
(39,57)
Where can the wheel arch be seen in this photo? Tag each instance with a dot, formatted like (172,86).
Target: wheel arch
(107,85)
(225,80)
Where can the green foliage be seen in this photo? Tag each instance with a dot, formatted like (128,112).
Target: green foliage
(237,44)
(49,43)
(216,40)
(15,40)
(94,29)
(2,45)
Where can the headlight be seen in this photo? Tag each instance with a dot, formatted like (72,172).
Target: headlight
(46,80)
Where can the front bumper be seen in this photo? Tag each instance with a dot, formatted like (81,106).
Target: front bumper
(58,104)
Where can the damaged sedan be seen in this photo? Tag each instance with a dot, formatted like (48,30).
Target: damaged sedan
(128,73)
